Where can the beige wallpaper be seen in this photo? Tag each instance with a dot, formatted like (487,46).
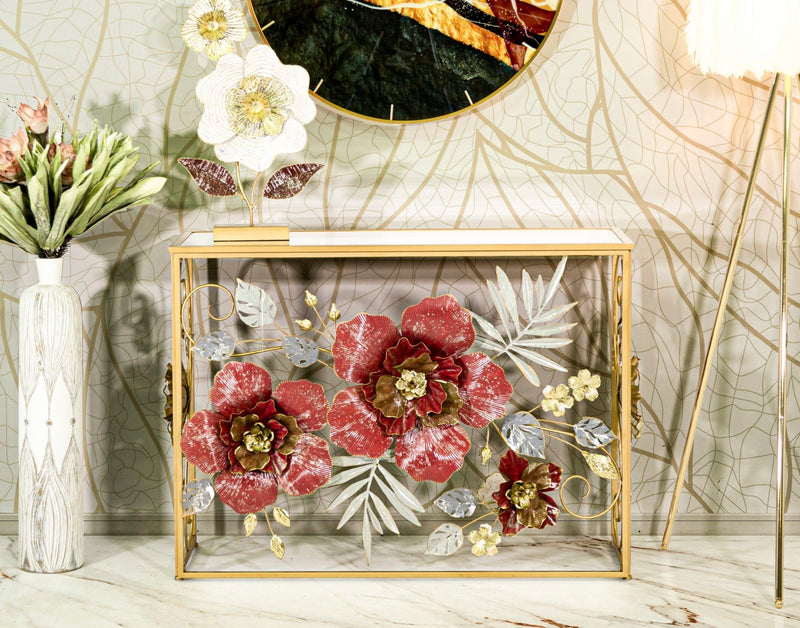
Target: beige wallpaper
(612,125)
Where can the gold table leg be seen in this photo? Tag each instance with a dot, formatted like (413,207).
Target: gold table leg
(705,372)
(783,345)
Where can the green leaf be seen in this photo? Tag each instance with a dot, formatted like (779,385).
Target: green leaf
(38,193)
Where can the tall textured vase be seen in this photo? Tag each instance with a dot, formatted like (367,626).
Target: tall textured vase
(50,424)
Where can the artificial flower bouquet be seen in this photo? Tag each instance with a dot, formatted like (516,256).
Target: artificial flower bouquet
(414,396)
(53,189)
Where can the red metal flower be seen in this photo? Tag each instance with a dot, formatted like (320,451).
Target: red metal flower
(258,439)
(415,384)
(522,498)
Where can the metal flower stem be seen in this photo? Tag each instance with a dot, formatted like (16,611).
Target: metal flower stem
(483,516)
(249,202)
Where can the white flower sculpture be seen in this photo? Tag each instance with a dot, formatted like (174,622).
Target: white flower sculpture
(255,108)
(212,26)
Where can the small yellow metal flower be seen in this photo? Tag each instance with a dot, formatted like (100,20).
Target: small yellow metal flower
(333,313)
(557,400)
(411,384)
(486,455)
(304,324)
(584,385)
(484,540)
(311,299)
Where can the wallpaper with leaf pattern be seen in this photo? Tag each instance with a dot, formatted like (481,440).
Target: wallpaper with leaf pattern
(611,125)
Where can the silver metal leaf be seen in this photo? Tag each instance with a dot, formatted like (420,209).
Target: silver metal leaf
(402,492)
(352,508)
(218,345)
(523,433)
(487,328)
(491,345)
(458,502)
(539,291)
(527,294)
(197,496)
(373,519)
(593,433)
(525,369)
(445,540)
(537,358)
(346,476)
(500,306)
(544,343)
(548,315)
(549,330)
(348,492)
(384,513)
(555,280)
(509,297)
(366,537)
(253,305)
(302,352)
(399,505)
(351,461)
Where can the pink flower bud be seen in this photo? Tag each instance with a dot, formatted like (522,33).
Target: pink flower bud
(35,119)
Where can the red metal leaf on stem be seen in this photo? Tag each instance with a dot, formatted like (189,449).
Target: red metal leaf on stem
(211,177)
(289,180)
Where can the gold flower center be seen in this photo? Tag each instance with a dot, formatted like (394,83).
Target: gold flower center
(411,384)
(258,106)
(521,494)
(258,439)
(213,25)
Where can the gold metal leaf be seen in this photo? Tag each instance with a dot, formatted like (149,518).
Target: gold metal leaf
(304,324)
(486,455)
(277,546)
(601,465)
(250,523)
(311,300)
(281,516)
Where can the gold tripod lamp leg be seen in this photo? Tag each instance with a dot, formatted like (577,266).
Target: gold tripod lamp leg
(783,345)
(717,328)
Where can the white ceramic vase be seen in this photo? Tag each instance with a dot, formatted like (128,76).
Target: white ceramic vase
(50,424)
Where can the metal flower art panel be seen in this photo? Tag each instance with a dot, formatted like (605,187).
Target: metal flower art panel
(414,396)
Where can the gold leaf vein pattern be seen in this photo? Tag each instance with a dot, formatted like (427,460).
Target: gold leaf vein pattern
(612,125)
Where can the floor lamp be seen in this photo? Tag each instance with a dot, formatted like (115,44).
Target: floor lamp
(732,37)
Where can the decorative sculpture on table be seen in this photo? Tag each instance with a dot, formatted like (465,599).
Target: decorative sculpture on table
(254,110)
(51,191)
(420,393)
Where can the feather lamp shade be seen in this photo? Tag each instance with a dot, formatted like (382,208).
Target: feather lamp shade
(732,37)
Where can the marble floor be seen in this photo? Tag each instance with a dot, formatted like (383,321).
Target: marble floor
(128,581)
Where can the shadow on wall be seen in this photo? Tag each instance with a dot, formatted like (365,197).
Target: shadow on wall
(128,442)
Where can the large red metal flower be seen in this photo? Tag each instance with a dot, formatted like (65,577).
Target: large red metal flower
(416,384)
(522,499)
(258,440)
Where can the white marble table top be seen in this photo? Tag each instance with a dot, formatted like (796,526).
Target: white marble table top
(128,581)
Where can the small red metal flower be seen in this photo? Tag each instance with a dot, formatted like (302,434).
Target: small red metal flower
(258,440)
(417,385)
(522,499)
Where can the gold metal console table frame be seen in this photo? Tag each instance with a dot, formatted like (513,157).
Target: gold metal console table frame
(539,243)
